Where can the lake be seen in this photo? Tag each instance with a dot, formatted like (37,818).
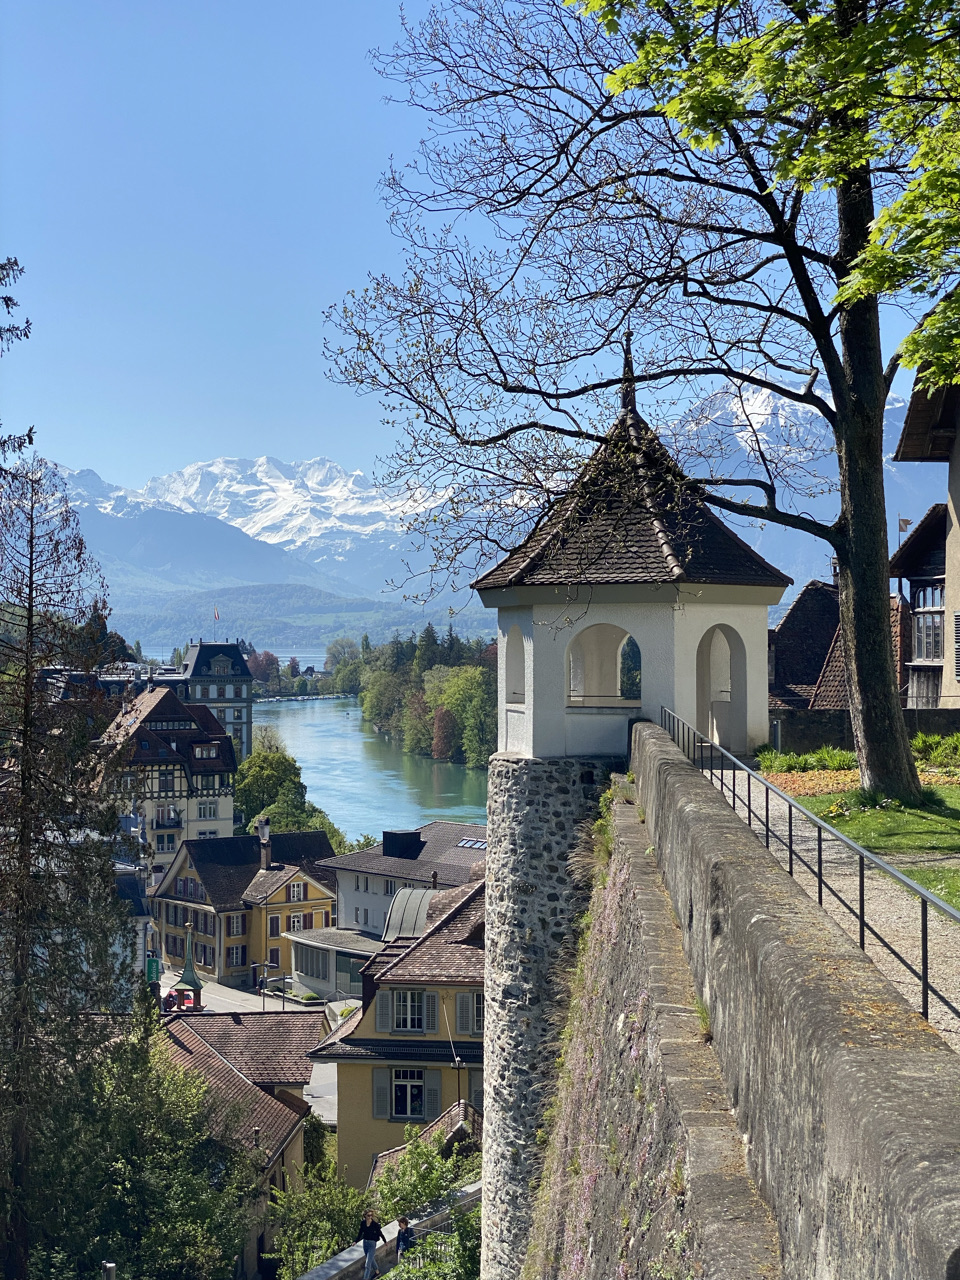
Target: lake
(362,779)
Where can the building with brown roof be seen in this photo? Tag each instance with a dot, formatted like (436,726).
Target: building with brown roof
(930,434)
(629,559)
(177,769)
(799,644)
(437,855)
(268,1121)
(243,898)
(414,1046)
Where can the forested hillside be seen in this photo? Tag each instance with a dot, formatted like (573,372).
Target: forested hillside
(439,697)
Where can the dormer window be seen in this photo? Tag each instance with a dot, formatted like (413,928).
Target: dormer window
(206,751)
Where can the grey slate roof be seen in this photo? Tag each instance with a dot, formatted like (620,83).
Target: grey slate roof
(345,940)
(200,657)
(441,852)
(398,1050)
(624,520)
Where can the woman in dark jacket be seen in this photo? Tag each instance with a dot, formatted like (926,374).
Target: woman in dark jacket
(371,1233)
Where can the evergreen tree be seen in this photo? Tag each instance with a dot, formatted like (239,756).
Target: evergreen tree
(64,936)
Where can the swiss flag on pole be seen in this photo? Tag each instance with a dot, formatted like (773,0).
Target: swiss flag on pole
(216,614)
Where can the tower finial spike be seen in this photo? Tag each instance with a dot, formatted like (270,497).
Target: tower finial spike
(628,390)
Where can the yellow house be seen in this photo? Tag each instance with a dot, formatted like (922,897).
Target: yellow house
(415,1045)
(241,895)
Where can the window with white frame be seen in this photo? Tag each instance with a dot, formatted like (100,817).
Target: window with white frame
(236,957)
(296,923)
(408,1010)
(366,884)
(408,1092)
(366,915)
(356,885)
(356,915)
(311,962)
(389,887)
(478,1011)
(207,809)
(296,891)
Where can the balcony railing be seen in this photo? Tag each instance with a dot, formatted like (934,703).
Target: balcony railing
(167,824)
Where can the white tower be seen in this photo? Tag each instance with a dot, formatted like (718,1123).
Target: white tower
(629,596)
(667,575)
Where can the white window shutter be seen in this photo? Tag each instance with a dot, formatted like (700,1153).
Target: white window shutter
(464,1013)
(381,1093)
(429,1011)
(432,1086)
(384,1009)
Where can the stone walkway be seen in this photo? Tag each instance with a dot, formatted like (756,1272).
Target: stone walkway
(889,908)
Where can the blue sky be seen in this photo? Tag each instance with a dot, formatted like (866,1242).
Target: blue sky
(189,184)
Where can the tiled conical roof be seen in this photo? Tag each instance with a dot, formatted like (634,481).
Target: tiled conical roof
(626,519)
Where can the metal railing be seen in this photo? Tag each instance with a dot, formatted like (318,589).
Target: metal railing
(754,808)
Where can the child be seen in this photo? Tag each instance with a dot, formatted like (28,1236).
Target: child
(405,1237)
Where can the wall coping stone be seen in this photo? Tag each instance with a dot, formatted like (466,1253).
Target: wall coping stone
(849,1102)
(349,1263)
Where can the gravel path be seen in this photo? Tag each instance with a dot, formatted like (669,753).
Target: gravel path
(889,908)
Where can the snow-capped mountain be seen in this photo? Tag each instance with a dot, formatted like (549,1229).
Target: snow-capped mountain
(334,520)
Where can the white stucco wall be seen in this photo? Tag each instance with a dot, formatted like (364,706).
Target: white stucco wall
(668,624)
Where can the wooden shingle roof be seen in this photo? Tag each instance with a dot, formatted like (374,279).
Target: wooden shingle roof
(627,519)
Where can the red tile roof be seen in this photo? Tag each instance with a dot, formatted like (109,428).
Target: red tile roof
(245,1107)
(461,1125)
(268,1048)
(452,950)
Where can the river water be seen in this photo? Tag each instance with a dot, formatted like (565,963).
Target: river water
(362,778)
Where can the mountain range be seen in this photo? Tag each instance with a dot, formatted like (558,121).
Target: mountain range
(292,554)
(289,554)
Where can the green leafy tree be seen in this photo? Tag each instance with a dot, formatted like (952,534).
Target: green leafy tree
(292,811)
(159,1180)
(341,651)
(314,1220)
(260,779)
(348,677)
(417,724)
(746,184)
(421,1175)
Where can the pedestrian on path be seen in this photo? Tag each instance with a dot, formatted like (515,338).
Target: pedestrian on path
(371,1233)
(405,1237)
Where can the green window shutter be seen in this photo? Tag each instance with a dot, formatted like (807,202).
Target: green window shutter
(464,1013)
(381,1093)
(429,1011)
(432,1087)
(384,1010)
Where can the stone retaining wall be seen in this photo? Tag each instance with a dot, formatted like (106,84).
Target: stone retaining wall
(645,1173)
(534,812)
(848,1101)
(803,730)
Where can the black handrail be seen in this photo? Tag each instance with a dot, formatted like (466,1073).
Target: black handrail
(695,745)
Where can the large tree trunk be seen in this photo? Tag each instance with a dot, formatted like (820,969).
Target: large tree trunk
(879,732)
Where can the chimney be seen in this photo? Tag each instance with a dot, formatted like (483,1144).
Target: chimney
(402,844)
(433,880)
(266,853)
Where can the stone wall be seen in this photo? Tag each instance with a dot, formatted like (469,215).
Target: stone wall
(645,1173)
(804,730)
(535,808)
(849,1102)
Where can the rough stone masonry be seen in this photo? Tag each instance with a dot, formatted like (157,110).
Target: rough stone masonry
(535,809)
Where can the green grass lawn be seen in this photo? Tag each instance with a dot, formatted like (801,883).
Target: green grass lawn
(930,829)
(933,829)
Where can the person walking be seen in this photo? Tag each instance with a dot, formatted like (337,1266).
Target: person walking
(371,1233)
(405,1237)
